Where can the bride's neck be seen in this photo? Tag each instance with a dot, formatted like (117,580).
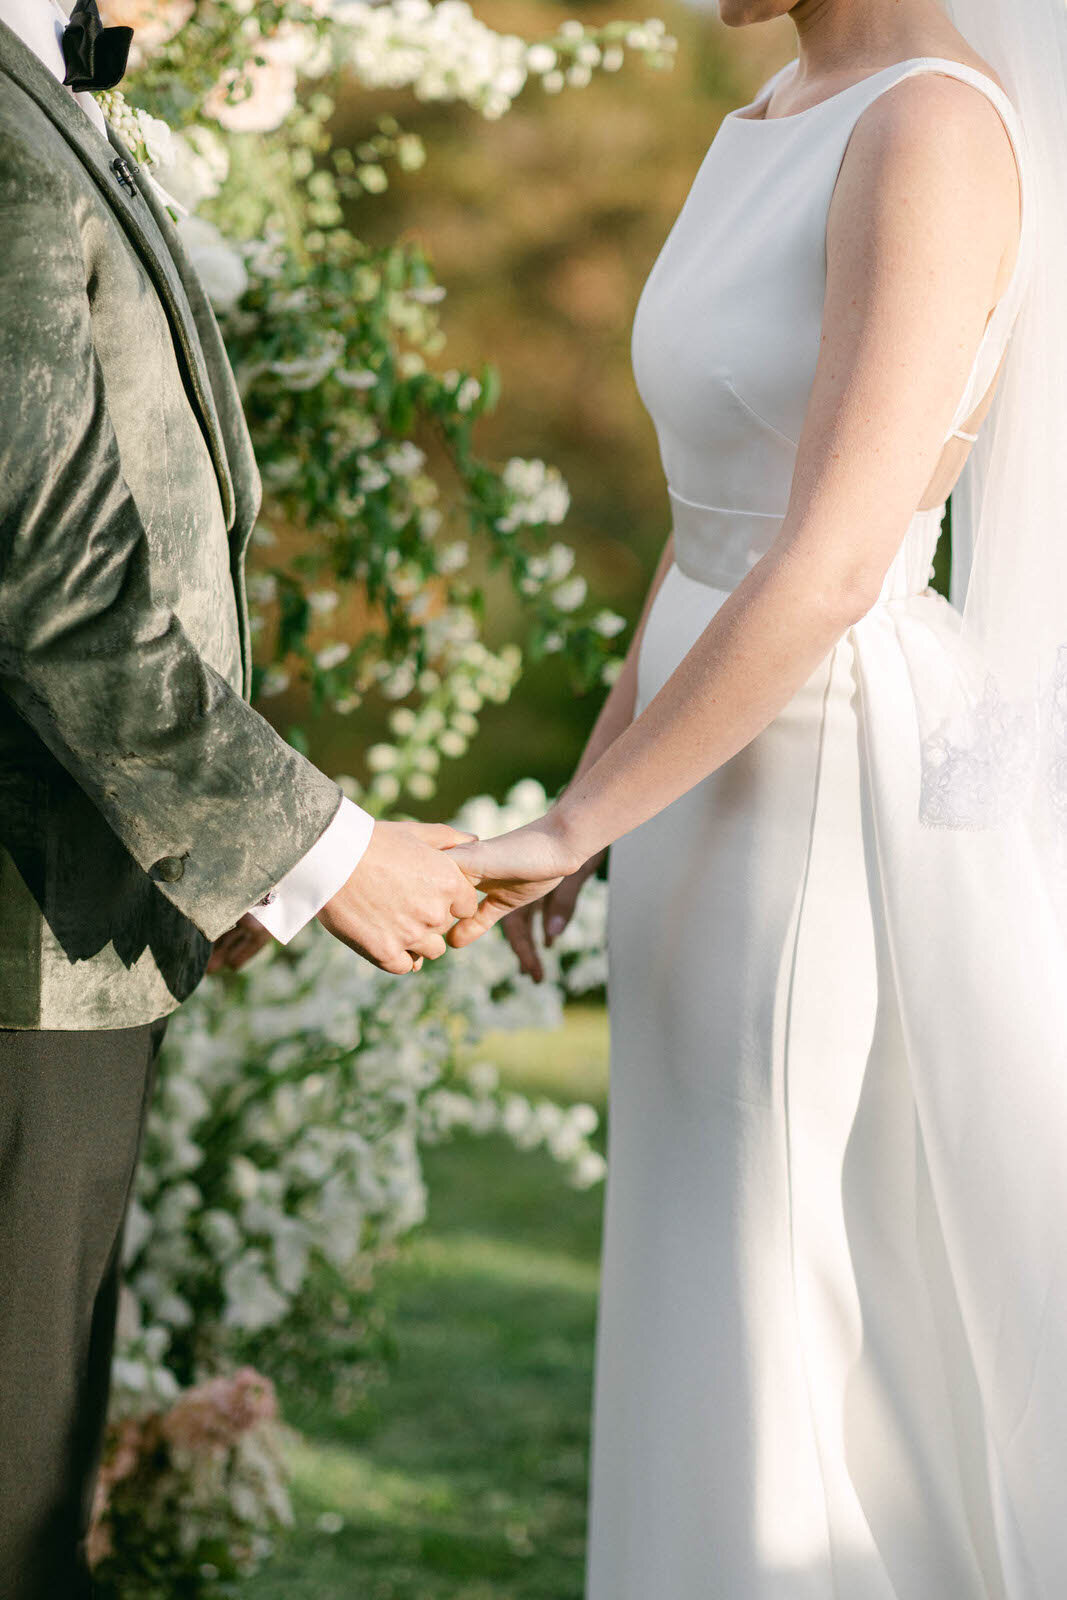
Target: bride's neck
(840,38)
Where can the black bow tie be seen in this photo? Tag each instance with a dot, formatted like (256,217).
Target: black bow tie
(95,56)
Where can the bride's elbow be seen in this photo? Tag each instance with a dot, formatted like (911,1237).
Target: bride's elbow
(842,592)
(850,595)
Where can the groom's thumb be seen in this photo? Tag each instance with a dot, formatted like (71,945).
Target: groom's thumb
(441,835)
(467,858)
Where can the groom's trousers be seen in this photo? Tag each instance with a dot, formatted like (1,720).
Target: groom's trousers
(72,1111)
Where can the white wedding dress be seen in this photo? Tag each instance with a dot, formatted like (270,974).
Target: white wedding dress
(822,1371)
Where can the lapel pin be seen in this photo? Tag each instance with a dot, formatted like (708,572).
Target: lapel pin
(121,168)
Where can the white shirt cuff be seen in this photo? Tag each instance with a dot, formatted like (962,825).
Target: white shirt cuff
(317,876)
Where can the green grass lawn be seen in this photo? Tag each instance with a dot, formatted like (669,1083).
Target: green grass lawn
(467,1479)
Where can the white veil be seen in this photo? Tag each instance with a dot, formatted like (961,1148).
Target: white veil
(994,739)
(965,734)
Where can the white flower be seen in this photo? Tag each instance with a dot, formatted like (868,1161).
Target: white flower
(559,560)
(608,624)
(541,58)
(245,1177)
(404,459)
(220,1233)
(262,588)
(387,788)
(358,378)
(452,557)
(275,681)
(218,264)
(305,371)
(442,52)
(483,1077)
(588,1169)
(527,800)
(332,655)
(372,475)
(252,1301)
(468,392)
(569,596)
(584,1119)
(195,166)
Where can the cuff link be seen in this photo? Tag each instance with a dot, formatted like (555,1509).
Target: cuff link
(268,899)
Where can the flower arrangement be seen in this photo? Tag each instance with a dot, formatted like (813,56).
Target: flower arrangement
(376,504)
(282,1160)
(188,1497)
(283,1150)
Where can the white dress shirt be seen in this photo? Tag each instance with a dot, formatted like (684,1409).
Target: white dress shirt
(319,874)
(40,24)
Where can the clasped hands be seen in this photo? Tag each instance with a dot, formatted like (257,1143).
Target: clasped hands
(420,887)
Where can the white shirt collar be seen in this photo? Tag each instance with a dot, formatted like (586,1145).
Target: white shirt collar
(39,24)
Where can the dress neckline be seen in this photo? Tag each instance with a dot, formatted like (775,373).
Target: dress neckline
(794,116)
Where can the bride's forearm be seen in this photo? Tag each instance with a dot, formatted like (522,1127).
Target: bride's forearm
(617,712)
(759,648)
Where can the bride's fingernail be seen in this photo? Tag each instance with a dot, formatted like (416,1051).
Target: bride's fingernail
(555,926)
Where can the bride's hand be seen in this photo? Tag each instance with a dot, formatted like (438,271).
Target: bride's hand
(513,870)
(556,910)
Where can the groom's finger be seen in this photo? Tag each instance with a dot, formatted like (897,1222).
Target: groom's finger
(464,902)
(439,835)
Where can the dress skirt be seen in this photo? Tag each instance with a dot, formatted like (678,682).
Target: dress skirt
(786,1405)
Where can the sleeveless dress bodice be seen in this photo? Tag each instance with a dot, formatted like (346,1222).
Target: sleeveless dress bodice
(727,330)
(832,1337)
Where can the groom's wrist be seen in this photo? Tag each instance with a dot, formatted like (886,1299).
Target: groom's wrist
(318,875)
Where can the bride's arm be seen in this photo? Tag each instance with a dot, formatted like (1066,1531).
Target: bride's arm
(616,713)
(924,213)
(618,709)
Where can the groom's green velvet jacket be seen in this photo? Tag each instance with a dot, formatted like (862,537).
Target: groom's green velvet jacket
(143,804)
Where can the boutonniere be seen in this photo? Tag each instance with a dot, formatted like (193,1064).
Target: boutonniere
(148,139)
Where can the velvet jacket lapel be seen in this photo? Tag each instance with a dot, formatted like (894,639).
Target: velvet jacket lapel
(142,229)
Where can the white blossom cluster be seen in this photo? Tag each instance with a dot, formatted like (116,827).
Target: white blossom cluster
(317,1092)
(148,138)
(443,725)
(444,52)
(538,494)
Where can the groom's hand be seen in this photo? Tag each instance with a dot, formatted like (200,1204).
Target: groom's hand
(405,893)
(239,945)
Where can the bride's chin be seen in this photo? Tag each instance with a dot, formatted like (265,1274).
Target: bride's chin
(739,13)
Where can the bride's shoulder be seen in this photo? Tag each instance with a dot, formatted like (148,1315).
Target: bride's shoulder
(930,158)
(932,122)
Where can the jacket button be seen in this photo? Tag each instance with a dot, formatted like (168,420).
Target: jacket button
(170,869)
